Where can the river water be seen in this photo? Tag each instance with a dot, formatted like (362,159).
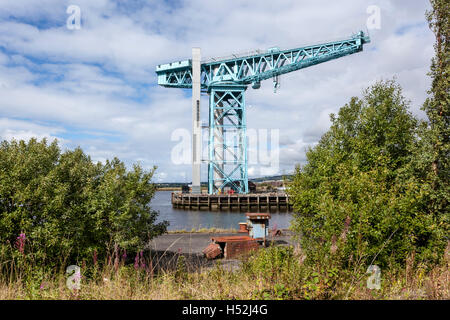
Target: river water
(188,219)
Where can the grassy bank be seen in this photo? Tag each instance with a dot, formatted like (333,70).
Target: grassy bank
(168,189)
(272,273)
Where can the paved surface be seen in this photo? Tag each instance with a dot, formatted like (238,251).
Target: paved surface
(194,243)
(166,250)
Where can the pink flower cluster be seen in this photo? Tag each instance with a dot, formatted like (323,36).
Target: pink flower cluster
(139,261)
(20,242)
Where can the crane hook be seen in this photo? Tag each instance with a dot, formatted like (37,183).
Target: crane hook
(276,83)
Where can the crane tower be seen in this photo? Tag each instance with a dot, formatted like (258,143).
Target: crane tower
(225,80)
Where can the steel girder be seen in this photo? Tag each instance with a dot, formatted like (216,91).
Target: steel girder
(227,163)
(256,67)
(226,79)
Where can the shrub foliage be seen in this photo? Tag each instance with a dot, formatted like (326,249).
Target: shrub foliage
(68,207)
(359,198)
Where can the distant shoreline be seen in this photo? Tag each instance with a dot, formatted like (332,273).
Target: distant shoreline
(171,189)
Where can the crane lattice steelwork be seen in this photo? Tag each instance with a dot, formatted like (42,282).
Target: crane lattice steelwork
(226,80)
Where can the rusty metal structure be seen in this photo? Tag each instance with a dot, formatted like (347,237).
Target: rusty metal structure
(234,246)
(256,229)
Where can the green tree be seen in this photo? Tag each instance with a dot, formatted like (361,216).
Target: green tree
(68,207)
(433,154)
(356,198)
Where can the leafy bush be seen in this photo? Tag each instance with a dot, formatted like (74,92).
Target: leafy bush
(357,198)
(68,207)
(271,263)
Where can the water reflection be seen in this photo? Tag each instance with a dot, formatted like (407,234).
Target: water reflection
(188,219)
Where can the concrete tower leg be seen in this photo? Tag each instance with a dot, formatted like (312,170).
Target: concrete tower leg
(196,123)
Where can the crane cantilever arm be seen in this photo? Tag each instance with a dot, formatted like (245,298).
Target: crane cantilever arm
(260,66)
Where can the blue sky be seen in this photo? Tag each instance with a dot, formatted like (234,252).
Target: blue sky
(96,87)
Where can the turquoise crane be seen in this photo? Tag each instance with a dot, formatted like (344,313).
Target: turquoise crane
(225,80)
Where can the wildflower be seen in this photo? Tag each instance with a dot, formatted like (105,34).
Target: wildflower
(136,261)
(343,236)
(150,268)
(20,242)
(333,244)
(142,260)
(95,257)
(116,257)
(77,277)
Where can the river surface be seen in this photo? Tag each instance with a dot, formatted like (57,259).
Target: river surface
(188,219)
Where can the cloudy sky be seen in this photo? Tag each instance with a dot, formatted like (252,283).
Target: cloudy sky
(96,86)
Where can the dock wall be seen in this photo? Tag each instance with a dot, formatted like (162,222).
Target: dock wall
(241,202)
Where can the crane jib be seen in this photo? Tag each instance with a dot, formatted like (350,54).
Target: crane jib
(226,81)
(255,68)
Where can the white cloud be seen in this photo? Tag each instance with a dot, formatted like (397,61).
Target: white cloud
(24,130)
(95,87)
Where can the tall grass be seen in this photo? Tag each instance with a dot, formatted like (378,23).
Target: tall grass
(270,273)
